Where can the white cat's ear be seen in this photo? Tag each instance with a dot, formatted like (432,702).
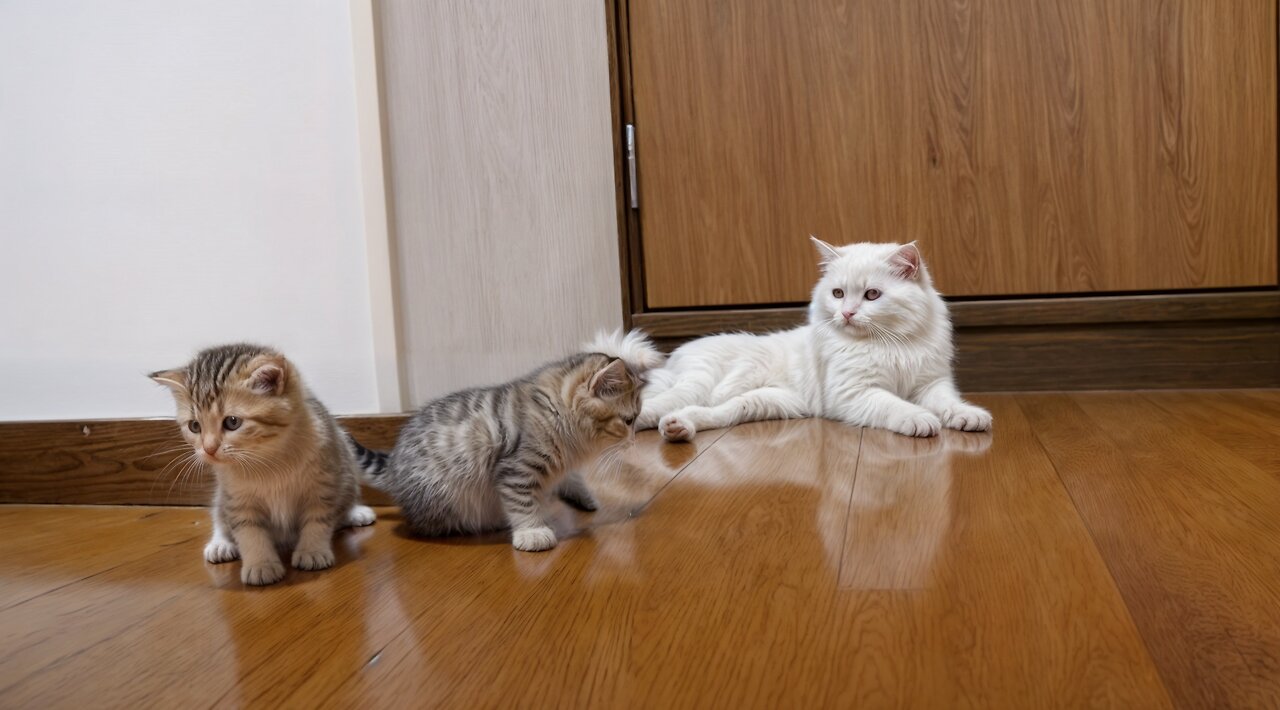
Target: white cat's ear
(826,252)
(175,380)
(906,261)
(611,380)
(270,375)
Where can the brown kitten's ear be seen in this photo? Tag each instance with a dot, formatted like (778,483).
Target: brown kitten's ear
(175,380)
(610,380)
(826,252)
(906,261)
(270,375)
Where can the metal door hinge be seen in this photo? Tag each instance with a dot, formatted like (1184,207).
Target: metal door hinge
(634,189)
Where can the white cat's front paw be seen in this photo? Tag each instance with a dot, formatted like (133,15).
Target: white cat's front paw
(360,516)
(674,427)
(966,417)
(221,550)
(917,423)
(533,539)
(313,559)
(263,572)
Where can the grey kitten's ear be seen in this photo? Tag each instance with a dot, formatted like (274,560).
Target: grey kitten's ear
(610,380)
(175,380)
(826,252)
(906,261)
(270,375)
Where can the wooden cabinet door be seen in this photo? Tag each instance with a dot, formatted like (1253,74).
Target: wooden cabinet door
(1031,146)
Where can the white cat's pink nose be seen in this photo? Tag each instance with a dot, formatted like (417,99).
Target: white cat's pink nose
(848,314)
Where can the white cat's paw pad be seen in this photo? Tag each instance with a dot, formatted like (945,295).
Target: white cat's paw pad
(361,515)
(533,539)
(676,428)
(262,573)
(917,424)
(967,418)
(221,551)
(313,559)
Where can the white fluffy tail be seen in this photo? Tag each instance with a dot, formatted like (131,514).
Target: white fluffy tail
(633,348)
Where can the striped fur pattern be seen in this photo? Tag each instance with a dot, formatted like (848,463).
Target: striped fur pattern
(287,474)
(494,457)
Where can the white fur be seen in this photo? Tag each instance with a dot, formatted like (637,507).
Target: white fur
(888,365)
(633,348)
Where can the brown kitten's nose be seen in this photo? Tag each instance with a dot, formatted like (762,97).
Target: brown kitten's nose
(211,449)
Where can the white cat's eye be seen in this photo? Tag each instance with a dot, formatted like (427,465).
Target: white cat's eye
(838,293)
(231,423)
(871,294)
(194,426)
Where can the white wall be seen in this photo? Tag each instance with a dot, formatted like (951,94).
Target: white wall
(174,175)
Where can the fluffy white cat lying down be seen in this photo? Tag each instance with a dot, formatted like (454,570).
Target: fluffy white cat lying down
(876,352)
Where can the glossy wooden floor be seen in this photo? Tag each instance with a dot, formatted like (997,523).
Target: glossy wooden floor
(1098,550)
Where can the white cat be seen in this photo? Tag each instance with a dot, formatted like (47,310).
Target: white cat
(876,352)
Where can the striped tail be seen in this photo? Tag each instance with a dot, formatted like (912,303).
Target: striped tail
(372,463)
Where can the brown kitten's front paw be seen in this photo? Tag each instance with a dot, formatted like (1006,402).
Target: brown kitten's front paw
(966,417)
(262,573)
(221,551)
(533,539)
(312,559)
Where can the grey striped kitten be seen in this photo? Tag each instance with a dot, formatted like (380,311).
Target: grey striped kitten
(494,457)
(287,474)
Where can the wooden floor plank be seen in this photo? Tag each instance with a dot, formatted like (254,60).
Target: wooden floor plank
(1232,420)
(1006,580)
(1190,532)
(683,605)
(265,645)
(35,556)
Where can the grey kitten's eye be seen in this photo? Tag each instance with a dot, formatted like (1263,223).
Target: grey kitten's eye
(194,426)
(838,293)
(871,294)
(231,423)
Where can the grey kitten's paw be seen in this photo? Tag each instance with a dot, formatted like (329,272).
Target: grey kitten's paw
(533,539)
(917,423)
(312,559)
(260,573)
(221,551)
(360,516)
(966,417)
(674,427)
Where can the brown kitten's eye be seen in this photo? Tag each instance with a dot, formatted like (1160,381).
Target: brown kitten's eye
(871,294)
(194,426)
(231,423)
(838,293)
(628,420)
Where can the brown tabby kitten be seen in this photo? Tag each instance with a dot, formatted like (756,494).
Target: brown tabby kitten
(494,457)
(287,474)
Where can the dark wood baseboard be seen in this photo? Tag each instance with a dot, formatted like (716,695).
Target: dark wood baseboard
(126,461)
(1070,343)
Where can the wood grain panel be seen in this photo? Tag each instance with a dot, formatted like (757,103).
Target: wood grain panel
(1189,530)
(1031,147)
(126,461)
(502,185)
